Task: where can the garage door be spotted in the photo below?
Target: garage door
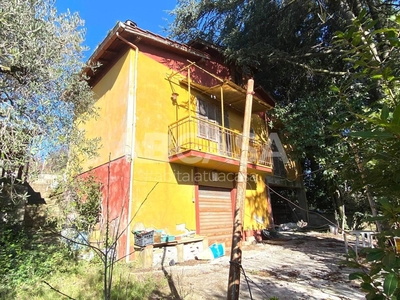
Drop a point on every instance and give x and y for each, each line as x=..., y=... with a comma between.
x=215, y=214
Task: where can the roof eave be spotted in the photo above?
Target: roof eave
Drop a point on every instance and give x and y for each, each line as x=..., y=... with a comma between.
x=121, y=27
x=102, y=47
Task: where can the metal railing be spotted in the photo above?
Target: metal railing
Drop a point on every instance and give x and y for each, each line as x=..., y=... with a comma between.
x=196, y=133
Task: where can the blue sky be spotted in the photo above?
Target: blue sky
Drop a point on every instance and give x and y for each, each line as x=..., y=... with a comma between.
x=101, y=16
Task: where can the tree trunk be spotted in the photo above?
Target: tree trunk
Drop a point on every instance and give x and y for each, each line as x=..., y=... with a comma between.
x=341, y=208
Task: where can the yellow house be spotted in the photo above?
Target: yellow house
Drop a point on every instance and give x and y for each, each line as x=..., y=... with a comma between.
x=170, y=123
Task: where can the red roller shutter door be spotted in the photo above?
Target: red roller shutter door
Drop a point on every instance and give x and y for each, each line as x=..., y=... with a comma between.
x=215, y=214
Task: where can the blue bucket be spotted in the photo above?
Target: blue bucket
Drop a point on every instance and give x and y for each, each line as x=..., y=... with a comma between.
x=217, y=250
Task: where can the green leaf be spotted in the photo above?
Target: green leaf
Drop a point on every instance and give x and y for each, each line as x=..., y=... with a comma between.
x=371, y=24
x=377, y=76
x=349, y=33
x=352, y=264
x=371, y=134
x=389, y=260
x=390, y=284
x=395, y=129
x=334, y=88
x=367, y=287
x=357, y=275
x=351, y=254
x=385, y=30
x=371, y=295
x=375, y=254
x=374, y=296
x=356, y=39
x=362, y=14
x=396, y=116
x=384, y=113
x=375, y=269
x=339, y=34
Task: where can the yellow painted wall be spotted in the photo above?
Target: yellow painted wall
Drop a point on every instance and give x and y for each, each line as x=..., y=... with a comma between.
x=225, y=180
x=172, y=200
x=159, y=200
x=112, y=93
x=256, y=205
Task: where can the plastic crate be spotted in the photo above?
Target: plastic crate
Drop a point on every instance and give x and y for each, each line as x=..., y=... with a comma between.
x=143, y=239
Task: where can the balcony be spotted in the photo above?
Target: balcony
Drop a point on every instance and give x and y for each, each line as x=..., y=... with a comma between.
x=203, y=143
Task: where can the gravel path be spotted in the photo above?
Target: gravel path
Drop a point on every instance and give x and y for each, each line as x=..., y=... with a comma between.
x=296, y=266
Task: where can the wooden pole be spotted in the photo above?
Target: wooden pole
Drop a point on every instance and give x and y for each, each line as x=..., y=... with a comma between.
x=224, y=149
x=190, y=104
x=236, y=251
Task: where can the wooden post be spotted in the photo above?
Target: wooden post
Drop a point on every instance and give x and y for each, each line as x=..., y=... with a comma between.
x=224, y=149
x=189, y=92
x=236, y=251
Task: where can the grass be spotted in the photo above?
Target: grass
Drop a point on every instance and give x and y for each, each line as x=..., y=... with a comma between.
x=85, y=281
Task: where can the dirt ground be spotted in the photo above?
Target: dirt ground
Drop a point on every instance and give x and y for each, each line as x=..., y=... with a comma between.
x=293, y=266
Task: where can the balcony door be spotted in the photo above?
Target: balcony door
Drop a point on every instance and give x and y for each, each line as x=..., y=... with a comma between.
x=209, y=125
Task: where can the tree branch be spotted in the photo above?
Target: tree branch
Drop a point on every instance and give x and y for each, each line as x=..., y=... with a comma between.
x=14, y=72
x=58, y=291
x=321, y=71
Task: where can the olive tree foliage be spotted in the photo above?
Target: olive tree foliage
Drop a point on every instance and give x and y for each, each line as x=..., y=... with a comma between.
x=43, y=99
x=42, y=89
x=290, y=48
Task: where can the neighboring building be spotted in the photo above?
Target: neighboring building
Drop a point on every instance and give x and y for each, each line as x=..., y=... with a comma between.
x=170, y=123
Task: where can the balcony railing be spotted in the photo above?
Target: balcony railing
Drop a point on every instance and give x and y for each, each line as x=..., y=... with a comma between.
x=202, y=135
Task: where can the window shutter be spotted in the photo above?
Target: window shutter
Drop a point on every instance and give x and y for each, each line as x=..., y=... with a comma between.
x=203, y=127
x=213, y=131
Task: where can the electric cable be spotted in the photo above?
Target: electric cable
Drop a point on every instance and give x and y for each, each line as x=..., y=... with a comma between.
x=248, y=279
x=306, y=210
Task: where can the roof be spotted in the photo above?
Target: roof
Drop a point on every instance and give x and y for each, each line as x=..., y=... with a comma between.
x=110, y=49
x=113, y=47
x=233, y=95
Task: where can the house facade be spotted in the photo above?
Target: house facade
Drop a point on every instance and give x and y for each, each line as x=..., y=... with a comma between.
x=170, y=122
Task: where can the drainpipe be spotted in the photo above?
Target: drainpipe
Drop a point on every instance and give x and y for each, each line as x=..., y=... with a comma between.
x=133, y=135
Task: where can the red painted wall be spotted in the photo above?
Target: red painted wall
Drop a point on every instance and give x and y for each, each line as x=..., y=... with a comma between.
x=177, y=62
x=115, y=177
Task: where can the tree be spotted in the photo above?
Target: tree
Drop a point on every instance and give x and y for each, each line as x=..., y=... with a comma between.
x=373, y=54
x=42, y=88
x=335, y=65
x=42, y=93
x=288, y=47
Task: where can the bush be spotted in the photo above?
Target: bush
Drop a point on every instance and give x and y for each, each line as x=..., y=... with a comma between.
x=25, y=256
x=379, y=268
